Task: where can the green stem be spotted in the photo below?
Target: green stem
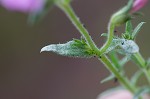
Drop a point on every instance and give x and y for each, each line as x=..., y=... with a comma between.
x=147, y=74
x=76, y=22
x=140, y=60
x=114, y=58
x=111, y=28
x=123, y=80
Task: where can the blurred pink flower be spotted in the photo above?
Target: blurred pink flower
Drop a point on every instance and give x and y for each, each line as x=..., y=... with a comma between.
x=138, y=4
x=120, y=94
x=27, y=6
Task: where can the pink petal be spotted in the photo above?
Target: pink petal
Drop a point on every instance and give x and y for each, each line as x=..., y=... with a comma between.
x=23, y=5
x=138, y=4
x=121, y=94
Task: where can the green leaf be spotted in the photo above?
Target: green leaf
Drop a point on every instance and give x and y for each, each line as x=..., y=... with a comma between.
x=114, y=58
x=123, y=61
x=74, y=48
x=62, y=2
x=141, y=92
x=136, y=30
x=114, y=44
x=66, y=1
x=128, y=31
x=37, y=16
x=109, y=78
x=136, y=77
x=123, y=46
x=129, y=28
x=148, y=62
x=135, y=60
x=138, y=14
x=104, y=34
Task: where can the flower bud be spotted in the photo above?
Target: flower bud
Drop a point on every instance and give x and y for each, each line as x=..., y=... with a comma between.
x=121, y=16
x=124, y=14
x=138, y=4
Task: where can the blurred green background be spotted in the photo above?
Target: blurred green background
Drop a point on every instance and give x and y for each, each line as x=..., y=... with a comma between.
x=25, y=73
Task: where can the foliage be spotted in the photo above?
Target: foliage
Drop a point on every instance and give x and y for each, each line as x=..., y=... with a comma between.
x=108, y=53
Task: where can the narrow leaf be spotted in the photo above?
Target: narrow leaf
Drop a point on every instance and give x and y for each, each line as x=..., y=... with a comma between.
x=123, y=61
x=141, y=92
x=137, y=29
x=136, y=77
x=138, y=14
x=129, y=28
x=104, y=34
x=37, y=16
x=66, y=1
x=114, y=58
x=109, y=78
x=134, y=59
x=148, y=62
x=75, y=48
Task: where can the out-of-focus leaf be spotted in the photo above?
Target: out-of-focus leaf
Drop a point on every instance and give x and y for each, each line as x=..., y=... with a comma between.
x=136, y=77
x=137, y=29
x=66, y=1
x=129, y=28
x=123, y=61
x=114, y=58
x=109, y=78
x=141, y=92
x=138, y=14
x=148, y=62
x=37, y=16
x=128, y=31
x=74, y=48
x=61, y=3
x=104, y=34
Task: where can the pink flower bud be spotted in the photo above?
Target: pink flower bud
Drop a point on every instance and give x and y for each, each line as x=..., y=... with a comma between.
x=138, y=4
x=27, y=6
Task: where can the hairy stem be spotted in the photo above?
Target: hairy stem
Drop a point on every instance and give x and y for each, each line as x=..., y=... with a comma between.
x=111, y=28
x=76, y=22
x=123, y=80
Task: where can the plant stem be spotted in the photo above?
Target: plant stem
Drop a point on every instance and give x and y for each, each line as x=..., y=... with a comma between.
x=123, y=80
x=76, y=22
x=111, y=28
x=140, y=60
x=142, y=64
